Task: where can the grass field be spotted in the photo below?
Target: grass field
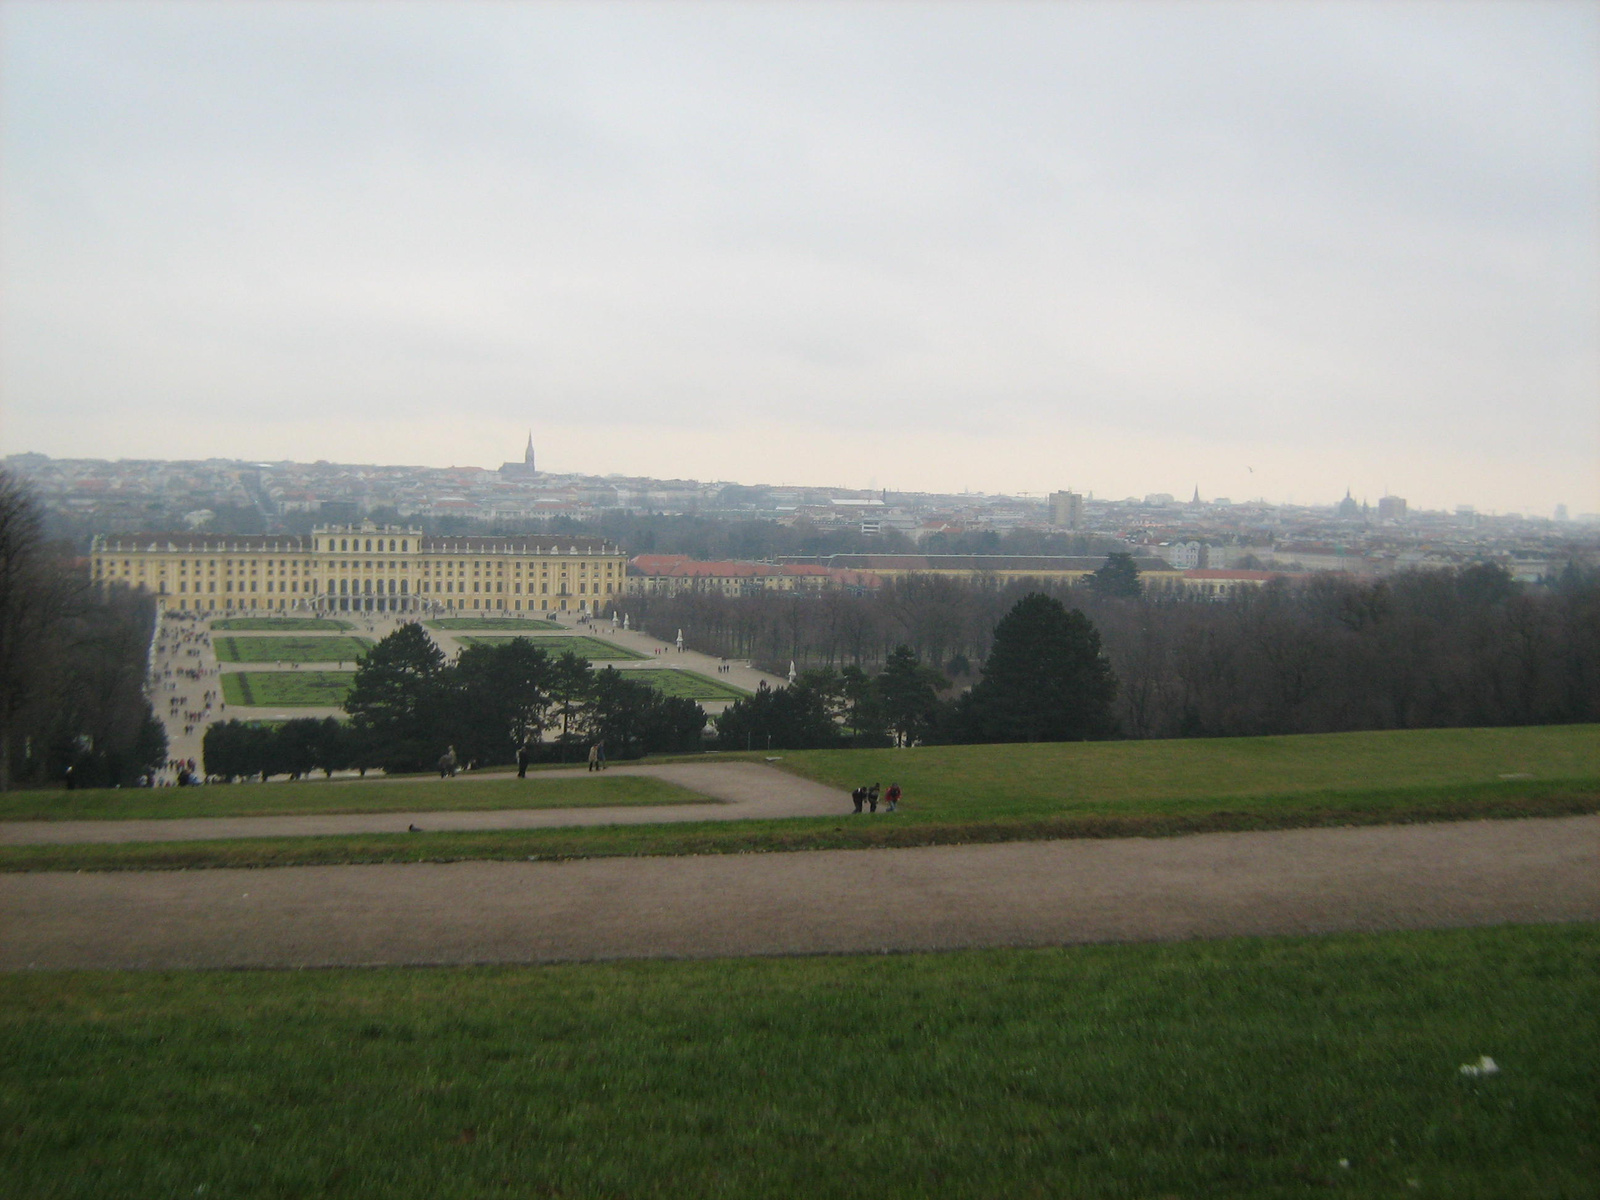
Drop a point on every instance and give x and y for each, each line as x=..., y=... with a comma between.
x=453, y=623
x=1238, y=1068
x=1065, y=778
x=689, y=685
x=290, y=649
x=584, y=647
x=881, y=831
x=1380, y=788
x=343, y=796
x=279, y=624
x=290, y=689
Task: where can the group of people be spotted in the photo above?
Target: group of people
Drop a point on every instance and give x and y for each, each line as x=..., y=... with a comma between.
x=597, y=757
x=869, y=797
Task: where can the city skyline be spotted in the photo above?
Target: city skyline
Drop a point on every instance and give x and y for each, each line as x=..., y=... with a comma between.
x=1268, y=252
x=131, y=476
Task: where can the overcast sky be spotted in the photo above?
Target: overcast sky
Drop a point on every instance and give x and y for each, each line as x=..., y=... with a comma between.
x=1269, y=249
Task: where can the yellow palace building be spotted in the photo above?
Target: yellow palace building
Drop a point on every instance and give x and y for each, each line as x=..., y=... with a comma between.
x=360, y=568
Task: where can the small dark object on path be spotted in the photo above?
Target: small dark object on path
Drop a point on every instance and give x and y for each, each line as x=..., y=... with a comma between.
x=412, y=829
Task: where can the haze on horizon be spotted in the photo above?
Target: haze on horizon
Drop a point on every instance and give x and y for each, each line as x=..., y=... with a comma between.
x=1269, y=250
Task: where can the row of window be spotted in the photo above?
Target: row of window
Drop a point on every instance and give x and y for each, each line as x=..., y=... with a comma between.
x=347, y=587
x=345, y=544
x=284, y=564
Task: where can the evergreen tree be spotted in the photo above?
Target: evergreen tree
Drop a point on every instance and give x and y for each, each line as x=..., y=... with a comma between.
x=571, y=682
x=909, y=693
x=791, y=718
x=502, y=695
x=618, y=713
x=1045, y=679
x=397, y=704
x=632, y=718
x=1119, y=576
x=863, y=708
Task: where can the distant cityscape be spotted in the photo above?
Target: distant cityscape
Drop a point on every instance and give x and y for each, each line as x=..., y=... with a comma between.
x=1357, y=535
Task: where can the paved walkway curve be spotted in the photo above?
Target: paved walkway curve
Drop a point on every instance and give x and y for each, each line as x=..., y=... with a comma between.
x=736, y=791
x=1012, y=894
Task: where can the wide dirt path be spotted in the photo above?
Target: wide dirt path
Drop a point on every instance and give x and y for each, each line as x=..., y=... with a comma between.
x=1016, y=894
x=742, y=790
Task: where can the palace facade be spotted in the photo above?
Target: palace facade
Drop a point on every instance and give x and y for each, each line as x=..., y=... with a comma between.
x=361, y=568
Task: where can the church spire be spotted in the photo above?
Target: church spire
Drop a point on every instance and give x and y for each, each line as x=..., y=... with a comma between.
x=527, y=455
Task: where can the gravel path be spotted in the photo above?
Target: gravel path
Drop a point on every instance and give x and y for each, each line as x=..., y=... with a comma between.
x=1020, y=893
x=736, y=791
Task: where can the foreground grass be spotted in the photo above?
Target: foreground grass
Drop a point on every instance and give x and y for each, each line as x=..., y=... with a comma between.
x=345, y=796
x=844, y=832
x=1238, y=1068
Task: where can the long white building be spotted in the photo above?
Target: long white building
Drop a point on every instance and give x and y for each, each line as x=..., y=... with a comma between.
x=361, y=568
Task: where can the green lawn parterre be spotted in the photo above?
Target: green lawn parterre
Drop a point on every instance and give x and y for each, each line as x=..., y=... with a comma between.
x=452, y=623
x=290, y=649
x=584, y=647
x=279, y=624
x=289, y=689
x=691, y=685
x=1243, y=1068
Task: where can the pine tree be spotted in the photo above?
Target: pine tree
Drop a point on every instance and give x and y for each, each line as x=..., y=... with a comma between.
x=398, y=703
x=909, y=692
x=1119, y=576
x=1045, y=679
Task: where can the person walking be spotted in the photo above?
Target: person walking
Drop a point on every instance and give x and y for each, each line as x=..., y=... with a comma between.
x=594, y=757
x=523, y=755
x=859, y=797
x=892, y=797
x=447, y=763
x=872, y=798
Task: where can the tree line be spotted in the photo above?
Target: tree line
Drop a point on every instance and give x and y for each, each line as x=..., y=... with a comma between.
x=72, y=664
x=1045, y=680
x=1465, y=646
x=408, y=705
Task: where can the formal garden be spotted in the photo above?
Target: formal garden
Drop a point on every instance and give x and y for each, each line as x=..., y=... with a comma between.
x=290, y=649
x=450, y=624
x=287, y=689
x=591, y=648
x=279, y=625
x=689, y=685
